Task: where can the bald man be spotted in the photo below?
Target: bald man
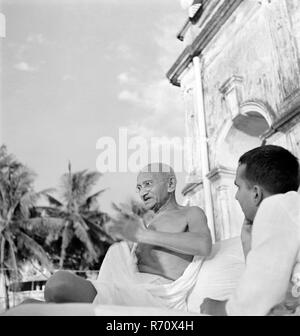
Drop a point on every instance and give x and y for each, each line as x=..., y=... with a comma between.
x=152, y=264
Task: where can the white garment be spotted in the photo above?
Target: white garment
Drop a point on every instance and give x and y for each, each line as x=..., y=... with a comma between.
x=220, y=273
x=272, y=258
x=120, y=283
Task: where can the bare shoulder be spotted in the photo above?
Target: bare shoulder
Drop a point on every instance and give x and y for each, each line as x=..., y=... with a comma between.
x=195, y=212
x=196, y=219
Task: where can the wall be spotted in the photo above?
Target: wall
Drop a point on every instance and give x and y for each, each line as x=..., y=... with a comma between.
x=251, y=81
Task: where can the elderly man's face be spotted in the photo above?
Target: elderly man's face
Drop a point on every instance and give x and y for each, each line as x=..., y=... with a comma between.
x=153, y=189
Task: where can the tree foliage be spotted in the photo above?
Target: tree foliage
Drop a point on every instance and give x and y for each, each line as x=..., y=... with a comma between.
x=17, y=201
x=81, y=241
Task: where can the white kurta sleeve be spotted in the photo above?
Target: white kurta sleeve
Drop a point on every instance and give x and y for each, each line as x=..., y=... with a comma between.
x=275, y=244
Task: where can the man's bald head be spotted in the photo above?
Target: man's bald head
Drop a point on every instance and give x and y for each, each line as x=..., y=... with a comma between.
x=159, y=170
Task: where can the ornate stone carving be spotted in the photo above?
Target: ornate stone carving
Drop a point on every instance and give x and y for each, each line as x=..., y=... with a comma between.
x=232, y=93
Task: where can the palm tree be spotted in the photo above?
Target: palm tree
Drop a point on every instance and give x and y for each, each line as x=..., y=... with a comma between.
x=79, y=211
x=17, y=199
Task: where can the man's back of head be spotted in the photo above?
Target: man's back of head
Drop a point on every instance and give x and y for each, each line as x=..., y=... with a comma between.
x=272, y=167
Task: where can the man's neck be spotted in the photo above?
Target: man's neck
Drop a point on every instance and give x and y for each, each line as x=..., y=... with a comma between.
x=170, y=204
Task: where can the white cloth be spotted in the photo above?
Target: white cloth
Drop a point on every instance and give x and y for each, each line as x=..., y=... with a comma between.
x=219, y=274
x=272, y=258
x=120, y=283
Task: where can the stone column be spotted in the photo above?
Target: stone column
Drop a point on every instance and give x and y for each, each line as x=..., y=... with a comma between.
x=224, y=203
x=199, y=100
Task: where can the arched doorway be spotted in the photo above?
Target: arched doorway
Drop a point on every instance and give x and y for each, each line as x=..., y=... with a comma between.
x=236, y=136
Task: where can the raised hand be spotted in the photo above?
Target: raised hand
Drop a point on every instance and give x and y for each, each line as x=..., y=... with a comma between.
x=246, y=236
x=128, y=227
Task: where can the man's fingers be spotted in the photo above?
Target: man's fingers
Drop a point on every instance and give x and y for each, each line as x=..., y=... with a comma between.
x=113, y=227
x=126, y=211
x=123, y=210
x=128, y=214
x=115, y=233
x=116, y=222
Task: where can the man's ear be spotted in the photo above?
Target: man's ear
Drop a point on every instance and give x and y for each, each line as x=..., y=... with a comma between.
x=258, y=195
x=172, y=184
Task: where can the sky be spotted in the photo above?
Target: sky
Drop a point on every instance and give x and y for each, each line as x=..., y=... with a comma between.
x=75, y=71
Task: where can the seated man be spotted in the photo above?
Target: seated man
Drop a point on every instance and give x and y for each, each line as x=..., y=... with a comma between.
x=267, y=179
x=160, y=265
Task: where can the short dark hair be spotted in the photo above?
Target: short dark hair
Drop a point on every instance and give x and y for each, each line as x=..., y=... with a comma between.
x=272, y=167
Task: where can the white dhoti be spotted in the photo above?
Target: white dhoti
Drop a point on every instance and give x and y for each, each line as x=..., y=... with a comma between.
x=120, y=283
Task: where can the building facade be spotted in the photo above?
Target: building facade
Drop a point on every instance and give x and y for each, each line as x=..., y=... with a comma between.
x=2, y=35
x=239, y=74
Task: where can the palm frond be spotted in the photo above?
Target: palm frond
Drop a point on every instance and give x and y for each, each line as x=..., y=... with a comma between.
x=78, y=185
x=50, y=211
x=52, y=200
x=67, y=235
x=83, y=236
x=27, y=201
x=47, y=191
x=89, y=201
x=79, y=219
x=42, y=194
x=90, y=179
x=6, y=160
x=2, y=251
x=66, y=187
x=36, y=250
x=2, y=225
x=97, y=231
x=43, y=226
x=13, y=250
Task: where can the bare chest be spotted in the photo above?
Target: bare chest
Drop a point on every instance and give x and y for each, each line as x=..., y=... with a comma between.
x=174, y=223
x=159, y=260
